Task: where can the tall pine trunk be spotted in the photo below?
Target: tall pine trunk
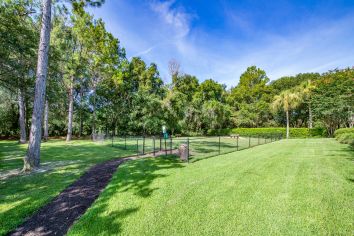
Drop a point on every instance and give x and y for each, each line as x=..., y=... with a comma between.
x=70, y=113
x=310, y=116
x=22, y=115
x=94, y=112
x=287, y=124
x=46, y=118
x=81, y=123
x=32, y=159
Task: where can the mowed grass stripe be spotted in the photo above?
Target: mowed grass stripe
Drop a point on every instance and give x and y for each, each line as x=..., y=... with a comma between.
x=284, y=188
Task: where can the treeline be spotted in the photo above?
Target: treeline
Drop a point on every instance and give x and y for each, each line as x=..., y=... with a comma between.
x=93, y=88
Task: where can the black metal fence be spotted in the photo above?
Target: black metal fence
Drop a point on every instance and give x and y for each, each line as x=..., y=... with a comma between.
x=198, y=147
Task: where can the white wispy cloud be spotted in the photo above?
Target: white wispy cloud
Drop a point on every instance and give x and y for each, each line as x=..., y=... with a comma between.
x=176, y=18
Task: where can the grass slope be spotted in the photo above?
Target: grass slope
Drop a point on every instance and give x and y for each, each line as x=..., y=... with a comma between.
x=290, y=187
x=20, y=196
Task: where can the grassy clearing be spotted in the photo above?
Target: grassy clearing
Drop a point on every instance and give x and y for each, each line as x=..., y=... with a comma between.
x=20, y=196
x=291, y=187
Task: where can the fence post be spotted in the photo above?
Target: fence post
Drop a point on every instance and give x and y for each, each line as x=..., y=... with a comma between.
x=219, y=144
x=153, y=139
x=249, y=141
x=188, y=149
x=112, y=138
x=237, y=142
x=258, y=139
x=165, y=148
x=170, y=144
x=160, y=143
x=143, y=144
x=137, y=146
x=125, y=142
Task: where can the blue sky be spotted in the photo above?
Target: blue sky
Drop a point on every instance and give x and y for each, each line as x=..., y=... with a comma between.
x=219, y=39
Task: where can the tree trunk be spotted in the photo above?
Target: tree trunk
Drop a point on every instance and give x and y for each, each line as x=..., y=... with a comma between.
x=70, y=113
x=32, y=159
x=94, y=111
x=287, y=124
x=310, y=116
x=22, y=115
x=81, y=123
x=46, y=117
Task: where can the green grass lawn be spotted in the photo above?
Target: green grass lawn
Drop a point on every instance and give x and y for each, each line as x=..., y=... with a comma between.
x=290, y=187
x=20, y=196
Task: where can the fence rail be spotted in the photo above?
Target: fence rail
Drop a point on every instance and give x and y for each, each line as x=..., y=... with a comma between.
x=198, y=147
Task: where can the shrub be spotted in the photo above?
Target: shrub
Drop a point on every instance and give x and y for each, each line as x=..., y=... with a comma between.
x=342, y=131
x=294, y=132
x=345, y=135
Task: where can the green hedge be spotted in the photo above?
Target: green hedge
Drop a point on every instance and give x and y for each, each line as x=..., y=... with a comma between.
x=345, y=135
x=294, y=132
x=343, y=130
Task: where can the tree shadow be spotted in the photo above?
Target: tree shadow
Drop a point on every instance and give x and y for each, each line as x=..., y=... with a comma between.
x=135, y=177
x=22, y=195
x=138, y=175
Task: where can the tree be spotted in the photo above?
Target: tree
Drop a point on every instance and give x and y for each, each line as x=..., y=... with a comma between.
x=32, y=158
x=286, y=101
x=250, y=99
x=332, y=99
x=305, y=90
x=18, y=40
x=174, y=107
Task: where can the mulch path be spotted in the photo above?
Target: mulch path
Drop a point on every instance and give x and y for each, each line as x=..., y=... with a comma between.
x=56, y=217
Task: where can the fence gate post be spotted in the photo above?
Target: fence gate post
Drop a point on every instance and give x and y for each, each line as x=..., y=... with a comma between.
x=219, y=144
x=237, y=143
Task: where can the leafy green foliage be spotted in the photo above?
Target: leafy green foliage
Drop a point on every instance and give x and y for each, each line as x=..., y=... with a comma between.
x=264, y=132
x=345, y=135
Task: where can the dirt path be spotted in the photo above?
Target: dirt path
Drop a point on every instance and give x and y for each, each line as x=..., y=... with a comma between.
x=56, y=217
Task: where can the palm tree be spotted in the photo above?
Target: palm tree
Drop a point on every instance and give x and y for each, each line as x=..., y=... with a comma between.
x=305, y=89
x=286, y=101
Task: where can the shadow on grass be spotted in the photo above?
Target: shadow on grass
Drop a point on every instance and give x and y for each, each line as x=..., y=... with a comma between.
x=133, y=177
x=21, y=196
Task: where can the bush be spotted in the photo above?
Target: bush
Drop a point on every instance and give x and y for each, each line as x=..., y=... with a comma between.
x=294, y=132
x=345, y=135
x=342, y=131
